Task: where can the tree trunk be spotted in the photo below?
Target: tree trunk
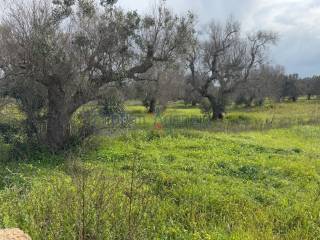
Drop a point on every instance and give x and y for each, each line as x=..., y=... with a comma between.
x=309, y=96
x=249, y=102
x=58, y=129
x=217, y=108
x=58, y=125
x=217, y=115
x=152, y=106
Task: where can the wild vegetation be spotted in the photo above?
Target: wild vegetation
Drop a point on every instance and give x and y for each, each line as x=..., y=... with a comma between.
x=231, y=181
x=116, y=125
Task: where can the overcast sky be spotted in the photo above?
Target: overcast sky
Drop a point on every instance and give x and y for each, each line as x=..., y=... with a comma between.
x=296, y=21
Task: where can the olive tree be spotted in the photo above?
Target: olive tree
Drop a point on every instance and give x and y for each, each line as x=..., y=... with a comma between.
x=164, y=83
x=309, y=86
x=266, y=81
x=224, y=60
x=56, y=57
x=290, y=87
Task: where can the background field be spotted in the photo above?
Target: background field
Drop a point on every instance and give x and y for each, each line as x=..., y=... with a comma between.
x=256, y=175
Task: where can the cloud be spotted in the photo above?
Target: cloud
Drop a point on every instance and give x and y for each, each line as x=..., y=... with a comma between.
x=296, y=21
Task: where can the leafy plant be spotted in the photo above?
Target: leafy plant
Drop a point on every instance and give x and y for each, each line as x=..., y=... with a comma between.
x=112, y=105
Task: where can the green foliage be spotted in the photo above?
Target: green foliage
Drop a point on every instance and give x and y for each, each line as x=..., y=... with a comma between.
x=242, y=99
x=9, y=132
x=205, y=107
x=112, y=105
x=86, y=203
x=237, y=119
x=177, y=184
x=4, y=150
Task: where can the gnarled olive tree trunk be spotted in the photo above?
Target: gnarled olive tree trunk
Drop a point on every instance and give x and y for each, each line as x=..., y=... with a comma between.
x=59, y=116
x=152, y=106
x=217, y=106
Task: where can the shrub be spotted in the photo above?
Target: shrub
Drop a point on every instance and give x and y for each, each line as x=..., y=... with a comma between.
x=205, y=107
x=241, y=99
x=86, y=121
x=9, y=132
x=4, y=150
x=112, y=105
x=259, y=102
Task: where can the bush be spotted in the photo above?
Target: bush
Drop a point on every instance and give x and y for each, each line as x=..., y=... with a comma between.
x=111, y=105
x=9, y=132
x=205, y=107
x=4, y=151
x=241, y=100
x=86, y=121
x=259, y=102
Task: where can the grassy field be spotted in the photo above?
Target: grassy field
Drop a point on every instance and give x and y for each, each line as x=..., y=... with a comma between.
x=255, y=175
